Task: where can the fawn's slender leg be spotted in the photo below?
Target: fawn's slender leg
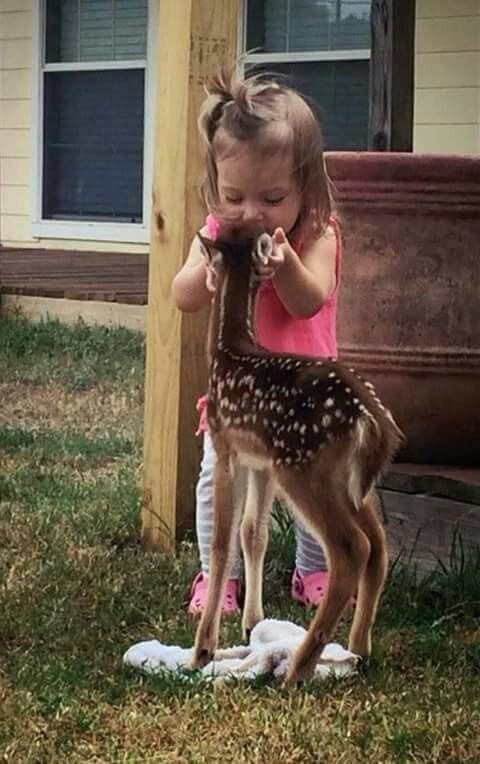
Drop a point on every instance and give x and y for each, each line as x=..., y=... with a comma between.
x=329, y=515
x=254, y=533
x=228, y=506
x=347, y=556
x=372, y=579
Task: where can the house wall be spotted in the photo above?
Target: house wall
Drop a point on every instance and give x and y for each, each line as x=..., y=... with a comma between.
x=446, y=112
x=447, y=77
x=15, y=118
x=16, y=135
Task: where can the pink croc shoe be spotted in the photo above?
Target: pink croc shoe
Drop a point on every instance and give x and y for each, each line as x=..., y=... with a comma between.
x=198, y=596
x=311, y=589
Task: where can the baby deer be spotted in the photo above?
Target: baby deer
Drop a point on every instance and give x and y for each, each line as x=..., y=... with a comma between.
x=305, y=429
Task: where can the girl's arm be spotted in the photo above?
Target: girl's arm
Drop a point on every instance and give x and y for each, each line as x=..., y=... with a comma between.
x=189, y=287
x=305, y=283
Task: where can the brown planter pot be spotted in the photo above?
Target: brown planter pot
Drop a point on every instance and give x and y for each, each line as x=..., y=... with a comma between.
x=410, y=303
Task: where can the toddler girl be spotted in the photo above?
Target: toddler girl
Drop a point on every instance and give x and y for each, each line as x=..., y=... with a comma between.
x=265, y=166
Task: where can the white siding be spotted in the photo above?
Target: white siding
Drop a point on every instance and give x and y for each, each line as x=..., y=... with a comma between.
x=447, y=77
x=15, y=118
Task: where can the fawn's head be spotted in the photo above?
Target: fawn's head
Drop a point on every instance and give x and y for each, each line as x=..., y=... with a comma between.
x=237, y=249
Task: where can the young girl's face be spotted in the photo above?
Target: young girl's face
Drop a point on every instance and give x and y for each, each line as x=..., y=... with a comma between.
x=259, y=190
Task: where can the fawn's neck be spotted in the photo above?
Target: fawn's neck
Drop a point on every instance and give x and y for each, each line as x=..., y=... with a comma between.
x=232, y=321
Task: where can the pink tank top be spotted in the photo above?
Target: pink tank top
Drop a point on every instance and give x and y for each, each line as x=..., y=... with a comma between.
x=281, y=332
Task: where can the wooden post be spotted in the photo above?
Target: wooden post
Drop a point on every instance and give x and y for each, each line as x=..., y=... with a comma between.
x=392, y=75
x=195, y=38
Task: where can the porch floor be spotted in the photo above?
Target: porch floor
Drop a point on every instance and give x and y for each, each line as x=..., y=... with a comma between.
x=99, y=276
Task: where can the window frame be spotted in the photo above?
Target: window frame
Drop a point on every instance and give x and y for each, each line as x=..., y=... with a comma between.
x=44, y=228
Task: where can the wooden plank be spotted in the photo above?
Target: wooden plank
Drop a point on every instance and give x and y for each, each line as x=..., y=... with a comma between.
x=15, y=114
x=16, y=83
x=447, y=139
x=427, y=9
x=195, y=37
x=15, y=24
x=450, y=482
x=423, y=530
x=14, y=228
x=447, y=106
x=392, y=75
x=15, y=143
x=447, y=35
x=444, y=70
x=15, y=171
x=15, y=53
x=101, y=276
x=15, y=200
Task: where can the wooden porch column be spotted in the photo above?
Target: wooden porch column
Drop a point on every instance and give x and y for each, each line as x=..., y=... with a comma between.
x=392, y=75
x=195, y=37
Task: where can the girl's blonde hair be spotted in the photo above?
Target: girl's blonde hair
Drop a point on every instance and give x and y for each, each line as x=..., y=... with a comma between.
x=276, y=119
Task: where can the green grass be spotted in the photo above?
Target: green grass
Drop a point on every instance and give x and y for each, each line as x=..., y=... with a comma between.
x=52, y=445
x=81, y=357
x=76, y=590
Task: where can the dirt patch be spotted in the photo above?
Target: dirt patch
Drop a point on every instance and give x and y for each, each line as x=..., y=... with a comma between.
x=91, y=412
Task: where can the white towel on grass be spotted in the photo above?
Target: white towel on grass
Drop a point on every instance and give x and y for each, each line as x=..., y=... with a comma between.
x=272, y=644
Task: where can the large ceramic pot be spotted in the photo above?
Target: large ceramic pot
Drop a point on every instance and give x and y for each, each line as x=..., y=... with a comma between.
x=410, y=304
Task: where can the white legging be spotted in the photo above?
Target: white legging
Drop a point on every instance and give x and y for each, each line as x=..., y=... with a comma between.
x=309, y=556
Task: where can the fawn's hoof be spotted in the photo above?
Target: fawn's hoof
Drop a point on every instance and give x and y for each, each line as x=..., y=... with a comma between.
x=363, y=665
x=300, y=671
x=297, y=678
x=201, y=657
x=249, y=624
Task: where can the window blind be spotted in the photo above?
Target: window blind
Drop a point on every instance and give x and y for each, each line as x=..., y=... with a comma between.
x=93, y=145
x=96, y=30
x=306, y=25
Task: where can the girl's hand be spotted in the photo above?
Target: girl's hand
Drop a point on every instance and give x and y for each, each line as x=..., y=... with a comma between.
x=281, y=251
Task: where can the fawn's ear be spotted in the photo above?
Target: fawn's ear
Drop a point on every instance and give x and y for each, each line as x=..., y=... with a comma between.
x=263, y=248
x=210, y=251
x=207, y=246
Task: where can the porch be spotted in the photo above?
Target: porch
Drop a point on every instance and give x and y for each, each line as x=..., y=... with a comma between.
x=106, y=288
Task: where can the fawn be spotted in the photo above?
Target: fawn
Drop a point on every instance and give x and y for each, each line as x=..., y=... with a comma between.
x=305, y=429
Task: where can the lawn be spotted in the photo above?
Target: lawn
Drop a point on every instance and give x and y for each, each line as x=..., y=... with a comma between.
x=77, y=590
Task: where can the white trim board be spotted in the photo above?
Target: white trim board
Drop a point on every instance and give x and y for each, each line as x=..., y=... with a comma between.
x=308, y=56
x=92, y=312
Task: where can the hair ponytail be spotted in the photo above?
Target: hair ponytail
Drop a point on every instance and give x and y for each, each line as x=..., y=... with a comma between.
x=221, y=91
x=231, y=103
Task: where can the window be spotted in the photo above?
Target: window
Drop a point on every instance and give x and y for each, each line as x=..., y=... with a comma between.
x=94, y=94
x=323, y=48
